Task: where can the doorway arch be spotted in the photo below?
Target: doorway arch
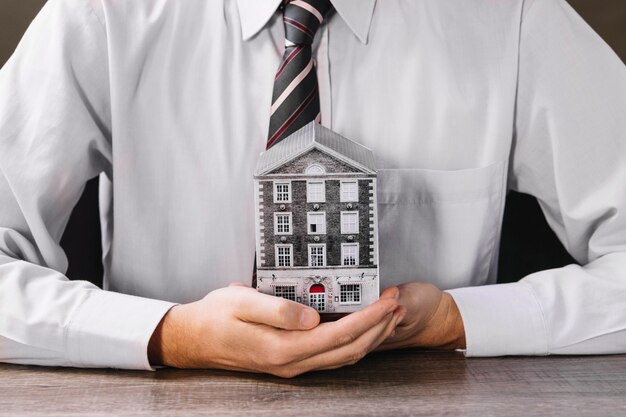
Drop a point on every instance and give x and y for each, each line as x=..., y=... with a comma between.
x=317, y=297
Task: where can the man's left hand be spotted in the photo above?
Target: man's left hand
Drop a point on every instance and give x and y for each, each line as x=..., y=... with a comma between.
x=432, y=319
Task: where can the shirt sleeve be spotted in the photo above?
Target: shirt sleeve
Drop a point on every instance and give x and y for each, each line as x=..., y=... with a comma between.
x=55, y=134
x=569, y=151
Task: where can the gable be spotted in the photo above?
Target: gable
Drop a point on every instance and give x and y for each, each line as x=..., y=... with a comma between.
x=299, y=164
x=315, y=136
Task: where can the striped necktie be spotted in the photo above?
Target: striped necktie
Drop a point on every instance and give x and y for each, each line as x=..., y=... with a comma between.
x=295, y=101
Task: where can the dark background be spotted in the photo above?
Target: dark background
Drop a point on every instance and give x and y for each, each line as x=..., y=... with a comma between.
x=528, y=244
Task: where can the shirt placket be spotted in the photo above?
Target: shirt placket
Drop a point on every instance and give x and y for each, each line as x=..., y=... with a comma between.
x=322, y=65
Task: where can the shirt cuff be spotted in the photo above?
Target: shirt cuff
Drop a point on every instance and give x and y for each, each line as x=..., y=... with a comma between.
x=504, y=319
x=112, y=330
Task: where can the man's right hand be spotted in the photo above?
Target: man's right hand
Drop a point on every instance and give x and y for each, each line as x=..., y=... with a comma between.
x=238, y=328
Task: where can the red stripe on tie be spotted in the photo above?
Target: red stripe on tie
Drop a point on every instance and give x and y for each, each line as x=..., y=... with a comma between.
x=292, y=118
x=299, y=26
x=291, y=56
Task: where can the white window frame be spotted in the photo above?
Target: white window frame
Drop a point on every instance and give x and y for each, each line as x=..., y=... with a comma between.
x=322, y=199
x=288, y=246
x=342, y=190
x=344, y=245
x=343, y=229
x=308, y=222
x=317, y=167
x=345, y=303
x=317, y=245
x=276, y=184
x=289, y=216
x=285, y=290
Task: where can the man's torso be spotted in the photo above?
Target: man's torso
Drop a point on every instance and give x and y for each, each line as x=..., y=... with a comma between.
x=432, y=93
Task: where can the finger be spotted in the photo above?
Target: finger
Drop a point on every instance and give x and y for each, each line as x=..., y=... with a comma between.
x=339, y=357
x=329, y=336
x=395, y=344
x=398, y=315
x=353, y=352
x=256, y=307
x=391, y=346
x=399, y=337
x=391, y=292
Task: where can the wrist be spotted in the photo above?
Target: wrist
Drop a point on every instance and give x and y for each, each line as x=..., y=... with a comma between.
x=454, y=331
x=446, y=328
x=165, y=340
x=455, y=322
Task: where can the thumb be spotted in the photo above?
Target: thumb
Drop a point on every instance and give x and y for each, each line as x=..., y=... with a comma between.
x=391, y=292
x=276, y=312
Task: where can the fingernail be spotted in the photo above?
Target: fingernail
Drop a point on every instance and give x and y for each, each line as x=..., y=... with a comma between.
x=393, y=333
x=308, y=319
x=396, y=296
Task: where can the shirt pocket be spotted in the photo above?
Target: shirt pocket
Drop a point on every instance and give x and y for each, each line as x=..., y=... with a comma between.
x=440, y=226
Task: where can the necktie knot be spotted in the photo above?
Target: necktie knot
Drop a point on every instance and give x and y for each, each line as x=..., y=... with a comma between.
x=302, y=20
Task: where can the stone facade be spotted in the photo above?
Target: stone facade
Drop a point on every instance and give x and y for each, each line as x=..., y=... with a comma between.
x=299, y=207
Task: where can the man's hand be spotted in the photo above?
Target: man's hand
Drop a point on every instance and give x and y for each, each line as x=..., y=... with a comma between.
x=432, y=319
x=238, y=328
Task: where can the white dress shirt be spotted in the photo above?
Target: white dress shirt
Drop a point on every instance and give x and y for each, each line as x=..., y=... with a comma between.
x=169, y=101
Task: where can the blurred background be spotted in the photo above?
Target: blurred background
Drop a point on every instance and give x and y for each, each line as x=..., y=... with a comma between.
x=528, y=244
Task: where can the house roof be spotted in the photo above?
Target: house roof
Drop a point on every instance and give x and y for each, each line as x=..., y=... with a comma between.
x=315, y=136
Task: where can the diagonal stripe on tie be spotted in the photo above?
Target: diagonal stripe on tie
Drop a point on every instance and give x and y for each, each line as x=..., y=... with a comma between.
x=292, y=117
x=286, y=62
x=293, y=101
x=309, y=8
x=291, y=70
x=299, y=26
x=292, y=86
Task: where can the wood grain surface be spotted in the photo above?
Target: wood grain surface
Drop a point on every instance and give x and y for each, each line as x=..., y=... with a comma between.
x=404, y=383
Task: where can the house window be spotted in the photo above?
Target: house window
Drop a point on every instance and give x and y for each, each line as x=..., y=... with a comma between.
x=285, y=291
x=317, y=255
x=284, y=256
x=350, y=293
x=314, y=169
x=282, y=223
x=315, y=192
x=282, y=192
x=317, y=297
x=349, y=191
x=316, y=223
x=349, y=222
x=349, y=254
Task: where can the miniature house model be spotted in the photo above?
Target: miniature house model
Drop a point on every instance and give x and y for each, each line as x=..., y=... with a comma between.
x=316, y=221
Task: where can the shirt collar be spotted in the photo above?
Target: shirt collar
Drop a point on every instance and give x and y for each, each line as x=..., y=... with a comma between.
x=356, y=13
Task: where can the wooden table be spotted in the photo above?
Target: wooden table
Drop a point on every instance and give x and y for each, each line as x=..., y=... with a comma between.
x=384, y=384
